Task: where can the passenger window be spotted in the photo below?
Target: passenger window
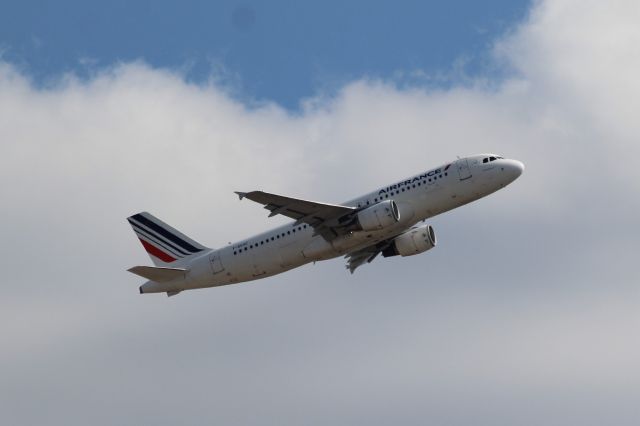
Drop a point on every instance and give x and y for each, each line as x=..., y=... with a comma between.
x=484, y=160
x=492, y=158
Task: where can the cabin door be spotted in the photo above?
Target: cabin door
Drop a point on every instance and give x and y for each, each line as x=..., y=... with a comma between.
x=463, y=169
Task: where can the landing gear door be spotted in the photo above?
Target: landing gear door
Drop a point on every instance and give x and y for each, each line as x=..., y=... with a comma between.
x=463, y=169
x=216, y=263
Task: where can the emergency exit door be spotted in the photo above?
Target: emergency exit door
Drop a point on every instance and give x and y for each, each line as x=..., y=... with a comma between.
x=216, y=263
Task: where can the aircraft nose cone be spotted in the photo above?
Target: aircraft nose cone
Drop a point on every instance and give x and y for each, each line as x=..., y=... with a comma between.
x=513, y=169
x=517, y=168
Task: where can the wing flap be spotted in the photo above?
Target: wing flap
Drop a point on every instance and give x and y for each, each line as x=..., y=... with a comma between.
x=358, y=258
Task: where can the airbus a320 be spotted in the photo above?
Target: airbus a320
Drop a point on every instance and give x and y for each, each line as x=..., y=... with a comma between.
x=384, y=222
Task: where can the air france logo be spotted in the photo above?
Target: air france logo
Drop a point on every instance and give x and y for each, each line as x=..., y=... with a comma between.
x=411, y=181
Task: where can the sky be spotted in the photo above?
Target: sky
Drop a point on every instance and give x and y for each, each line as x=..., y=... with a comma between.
x=280, y=51
x=525, y=313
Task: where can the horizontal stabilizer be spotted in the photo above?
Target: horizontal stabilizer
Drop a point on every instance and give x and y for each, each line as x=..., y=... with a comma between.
x=159, y=274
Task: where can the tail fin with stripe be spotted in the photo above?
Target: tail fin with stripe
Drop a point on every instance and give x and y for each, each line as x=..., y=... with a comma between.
x=164, y=244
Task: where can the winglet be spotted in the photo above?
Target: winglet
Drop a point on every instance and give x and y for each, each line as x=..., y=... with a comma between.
x=241, y=195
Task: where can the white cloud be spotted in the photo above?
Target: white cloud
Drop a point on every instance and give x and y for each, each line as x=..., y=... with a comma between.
x=525, y=308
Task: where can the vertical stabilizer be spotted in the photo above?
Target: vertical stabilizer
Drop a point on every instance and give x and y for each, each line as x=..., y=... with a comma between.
x=164, y=244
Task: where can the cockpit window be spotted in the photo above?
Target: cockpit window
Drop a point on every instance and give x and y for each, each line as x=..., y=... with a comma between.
x=488, y=159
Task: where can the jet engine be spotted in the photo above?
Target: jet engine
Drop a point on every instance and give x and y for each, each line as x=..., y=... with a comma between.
x=378, y=216
x=414, y=241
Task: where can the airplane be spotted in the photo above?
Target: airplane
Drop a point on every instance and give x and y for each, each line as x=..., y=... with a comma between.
x=385, y=221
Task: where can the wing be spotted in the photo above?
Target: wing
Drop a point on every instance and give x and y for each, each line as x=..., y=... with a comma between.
x=324, y=218
x=366, y=255
x=359, y=258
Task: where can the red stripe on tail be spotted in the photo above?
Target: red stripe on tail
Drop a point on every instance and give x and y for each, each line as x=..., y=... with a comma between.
x=155, y=251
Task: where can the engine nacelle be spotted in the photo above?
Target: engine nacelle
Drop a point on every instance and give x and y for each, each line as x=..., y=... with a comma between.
x=414, y=241
x=378, y=216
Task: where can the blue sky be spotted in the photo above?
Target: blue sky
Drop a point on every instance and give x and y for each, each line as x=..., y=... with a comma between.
x=280, y=50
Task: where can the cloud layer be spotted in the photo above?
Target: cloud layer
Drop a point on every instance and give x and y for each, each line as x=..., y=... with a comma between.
x=526, y=312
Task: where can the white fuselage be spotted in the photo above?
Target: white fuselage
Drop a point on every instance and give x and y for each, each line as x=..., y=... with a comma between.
x=290, y=246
